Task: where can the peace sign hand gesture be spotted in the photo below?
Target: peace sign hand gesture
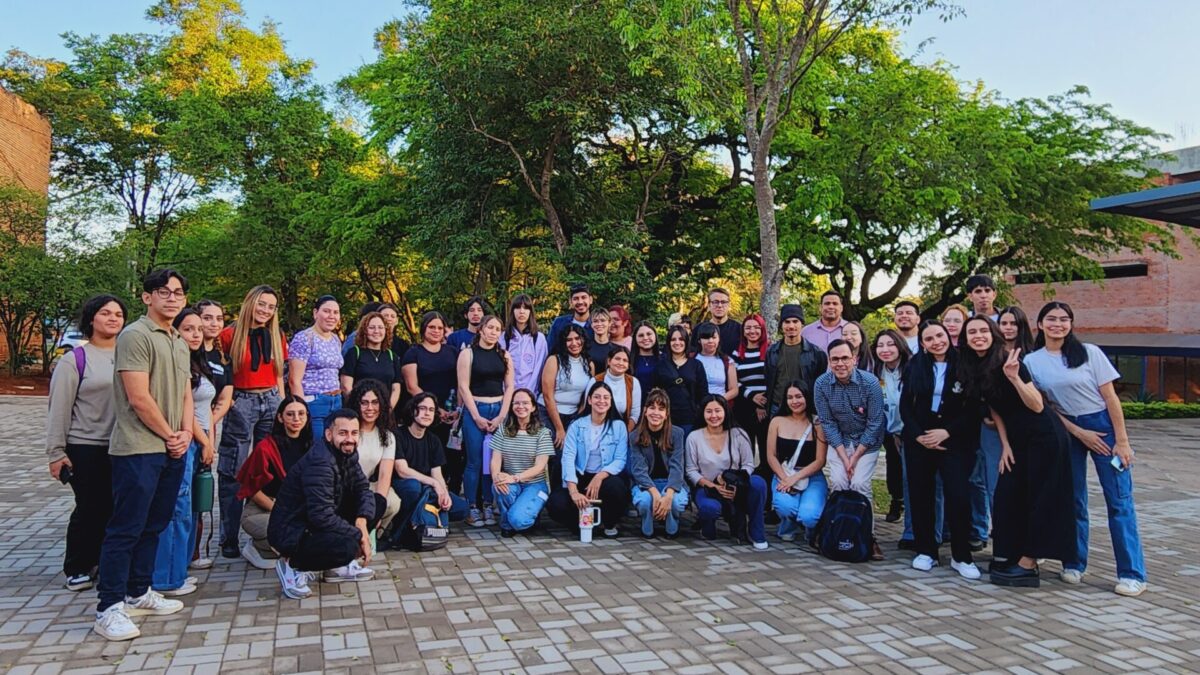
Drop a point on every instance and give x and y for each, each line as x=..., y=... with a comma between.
x=1012, y=366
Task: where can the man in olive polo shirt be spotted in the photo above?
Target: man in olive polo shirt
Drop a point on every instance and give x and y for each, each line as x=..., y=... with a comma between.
x=153, y=402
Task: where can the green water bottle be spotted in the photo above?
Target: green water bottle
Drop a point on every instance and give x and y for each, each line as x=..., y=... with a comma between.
x=202, y=490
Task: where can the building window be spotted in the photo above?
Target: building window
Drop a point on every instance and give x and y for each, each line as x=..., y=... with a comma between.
x=1133, y=376
x=1122, y=271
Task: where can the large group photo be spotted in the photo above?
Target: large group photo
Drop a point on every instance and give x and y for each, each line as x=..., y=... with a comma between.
x=613, y=336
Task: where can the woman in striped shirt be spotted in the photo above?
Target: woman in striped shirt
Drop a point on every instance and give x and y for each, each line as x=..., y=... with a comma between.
x=750, y=406
x=521, y=451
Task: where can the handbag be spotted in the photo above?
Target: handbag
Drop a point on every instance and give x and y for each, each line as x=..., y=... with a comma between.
x=790, y=467
x=737, y=479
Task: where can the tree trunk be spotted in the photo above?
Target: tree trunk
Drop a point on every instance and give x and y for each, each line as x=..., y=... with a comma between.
x=768, y=241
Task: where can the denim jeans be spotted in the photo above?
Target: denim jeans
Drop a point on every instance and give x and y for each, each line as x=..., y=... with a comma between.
x=800, y=508
x=409, y=491
x=712, y=508
x=477, y=485
x=319, y=408
x=1118, y=497
x=983, y=481
x=249, y=420
x=643, y=501
x=177, y=541
x=520, y=508
x=145, y=490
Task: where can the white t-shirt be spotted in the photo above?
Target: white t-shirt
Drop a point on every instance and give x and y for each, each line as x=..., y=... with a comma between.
x=631, y=409
x=912, y=343
x=714, y=371
x=370, y=453
x=1075, y=390
x=939, y=384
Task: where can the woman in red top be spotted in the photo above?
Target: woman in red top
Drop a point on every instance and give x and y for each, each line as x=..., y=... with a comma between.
x=257, y=352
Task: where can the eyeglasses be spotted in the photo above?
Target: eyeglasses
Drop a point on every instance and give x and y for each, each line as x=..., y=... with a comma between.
x=718, y=302
x=369, y=403
x=165, y=293
x=264, y=306
x=841, y=359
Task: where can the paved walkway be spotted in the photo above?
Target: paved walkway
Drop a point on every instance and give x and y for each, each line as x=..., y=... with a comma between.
x=548, y=604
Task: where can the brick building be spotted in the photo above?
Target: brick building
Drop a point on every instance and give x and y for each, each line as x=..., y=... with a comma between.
x=24, y=153
x=1146, y=312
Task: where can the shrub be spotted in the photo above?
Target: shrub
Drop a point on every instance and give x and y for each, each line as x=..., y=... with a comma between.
x=1159, y=410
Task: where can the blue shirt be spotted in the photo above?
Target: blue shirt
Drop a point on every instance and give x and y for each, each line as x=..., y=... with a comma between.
x=460, y=339
x=851, y=413
x=612, y=446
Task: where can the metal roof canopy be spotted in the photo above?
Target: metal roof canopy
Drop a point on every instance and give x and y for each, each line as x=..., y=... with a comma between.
x=1179, y=204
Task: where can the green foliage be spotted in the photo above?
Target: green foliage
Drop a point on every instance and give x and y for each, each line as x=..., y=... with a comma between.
x=1159, y=410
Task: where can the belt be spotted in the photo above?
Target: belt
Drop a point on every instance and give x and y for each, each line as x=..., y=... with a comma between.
x=258, y=394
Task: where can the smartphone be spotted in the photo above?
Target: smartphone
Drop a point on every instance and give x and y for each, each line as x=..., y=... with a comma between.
x=64, y=474
x=1117, y=463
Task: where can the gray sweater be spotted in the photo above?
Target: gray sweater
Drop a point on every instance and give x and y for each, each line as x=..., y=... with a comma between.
x=85, y=418
x=702, y=462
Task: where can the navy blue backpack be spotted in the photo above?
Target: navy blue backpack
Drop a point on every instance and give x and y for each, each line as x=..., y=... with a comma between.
x=844, y=531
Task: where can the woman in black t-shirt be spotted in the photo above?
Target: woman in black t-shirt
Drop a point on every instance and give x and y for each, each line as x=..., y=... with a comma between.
x=432, y=366
x=370, y=358
x=683, y=378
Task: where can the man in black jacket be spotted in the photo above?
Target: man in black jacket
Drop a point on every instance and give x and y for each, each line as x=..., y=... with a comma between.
x=324, y=512
x=792, y=358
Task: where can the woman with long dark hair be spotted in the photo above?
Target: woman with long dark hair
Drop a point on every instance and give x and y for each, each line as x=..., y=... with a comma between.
x=371, y=358
x=376, y=458
x=594, y=457
x=1014, y=326
x=712, y=450
x=646, y=355
x=1034, y=511
x=720, y=373
x=263, y=473
x=525, y=344
x=565, y=379
x=315, y=362
x=656, y=465
x=795, y=452
x=1078, y=378
x=521, y=452
x=485, y=387
x=682, y=377
x=856, y=336
x=941, y=435
x=78, y=428
x=257, y=352
x=431, y=366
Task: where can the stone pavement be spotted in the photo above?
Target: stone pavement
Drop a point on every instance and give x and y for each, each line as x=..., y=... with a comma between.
x=546, y=603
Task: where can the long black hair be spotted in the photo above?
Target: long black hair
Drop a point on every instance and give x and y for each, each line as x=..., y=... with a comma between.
x=1073, y=351
x=727, y=424
x=656, y=349
x=531, y=328
x=706, y=330
x=279, y=432
x=92, y=306
x=354, y=402
x=981, y=375
x=198, y=359
x=918, y=375
x=901, y=346
x=611, y=416
x=1024, y=341
x=562, y=357
x=683, y=331
x=810, y=408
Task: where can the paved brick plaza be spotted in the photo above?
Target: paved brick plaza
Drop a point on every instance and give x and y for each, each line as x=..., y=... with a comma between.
x=549, y=604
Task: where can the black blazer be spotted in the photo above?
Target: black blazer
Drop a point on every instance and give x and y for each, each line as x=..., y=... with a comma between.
x=958, y=414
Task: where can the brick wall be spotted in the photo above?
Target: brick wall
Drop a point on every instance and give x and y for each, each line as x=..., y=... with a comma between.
x=24, y=153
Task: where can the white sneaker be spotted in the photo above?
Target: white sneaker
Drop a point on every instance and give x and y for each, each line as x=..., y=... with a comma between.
x=489, y=515
x=924, y=563
x=252, y=556
x=351, y=572
x=295, y=584
x=611, y=532
x=474, y=518
x=761, y=546
x=790, y=536
x=185, y=589
x=114, y=624
x=1070, y=576
x=966, y=570
x=200, y=564
x=152, y=603
x=1130, y=587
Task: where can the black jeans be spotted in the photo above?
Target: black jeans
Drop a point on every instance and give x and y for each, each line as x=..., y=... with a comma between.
x=91, y=481
x=955, y=466
x=327, y=550
x=895, y=469
x=614, y=501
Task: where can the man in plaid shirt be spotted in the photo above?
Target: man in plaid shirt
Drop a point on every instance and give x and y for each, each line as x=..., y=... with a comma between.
x=850, y=406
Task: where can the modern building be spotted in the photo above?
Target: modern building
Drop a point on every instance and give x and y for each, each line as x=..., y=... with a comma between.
x=1145, y=313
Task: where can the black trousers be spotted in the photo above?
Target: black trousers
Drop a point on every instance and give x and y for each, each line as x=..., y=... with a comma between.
x=955, y=466
x=91, y=481
x=895, y=470
x=614, y=501
x=327, y=550
x=456, y=460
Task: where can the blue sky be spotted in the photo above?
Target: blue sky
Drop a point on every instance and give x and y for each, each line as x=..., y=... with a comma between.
x=1136, y=56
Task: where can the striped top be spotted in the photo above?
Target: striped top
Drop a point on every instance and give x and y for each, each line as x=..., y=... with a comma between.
x=751, y=373
x=519, y=452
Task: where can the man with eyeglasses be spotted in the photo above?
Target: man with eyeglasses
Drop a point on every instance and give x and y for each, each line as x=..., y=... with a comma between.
x=729, y=329
x=418, y=478
x=850, y=406
x=153, y=404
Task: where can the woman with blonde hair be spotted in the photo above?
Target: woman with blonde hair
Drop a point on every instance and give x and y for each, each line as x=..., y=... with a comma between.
x=953, y=318
x=257, y=352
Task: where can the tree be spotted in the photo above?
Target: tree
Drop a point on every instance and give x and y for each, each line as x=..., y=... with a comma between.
x=744, y=60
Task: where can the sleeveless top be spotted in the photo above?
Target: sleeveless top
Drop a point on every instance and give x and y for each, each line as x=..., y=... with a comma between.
x=784, y=447
x=487, y=372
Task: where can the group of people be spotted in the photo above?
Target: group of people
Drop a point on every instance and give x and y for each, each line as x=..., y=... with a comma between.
x=329, y=450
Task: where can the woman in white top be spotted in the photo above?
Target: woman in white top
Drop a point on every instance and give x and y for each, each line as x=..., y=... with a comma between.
x=891, y=357
x=565, y=378
x=712, y=450
x=1078, y=378
x=78, y=427
x=719, y=368
x=376, y=443
x=627, y=391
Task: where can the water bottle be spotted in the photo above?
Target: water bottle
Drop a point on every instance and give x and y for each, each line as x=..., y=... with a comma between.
x=202, y=490
x=589, y=517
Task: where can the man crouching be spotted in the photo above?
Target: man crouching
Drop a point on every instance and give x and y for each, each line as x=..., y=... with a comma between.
x=324, y=512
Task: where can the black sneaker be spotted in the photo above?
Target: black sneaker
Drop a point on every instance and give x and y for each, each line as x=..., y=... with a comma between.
x=230, y=551
x=507, y=532
x=771, y=518
x=977, y=546
x=896, y=512
x=79, y=582
x=1016, y=576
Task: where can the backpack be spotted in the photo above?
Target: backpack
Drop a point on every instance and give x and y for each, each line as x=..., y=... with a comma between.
x=80, y=357
x=844, y=531
x=428, y=528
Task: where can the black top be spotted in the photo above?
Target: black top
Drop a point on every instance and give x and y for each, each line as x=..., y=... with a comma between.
x=599, y=354
x=222, y=372
x=660, y=470
x=290, y=450
x=958, y=414
x=422, y=454
x=784, y=447
x=685, y=385
x=318, y=492
x=487, y=371
x=730, y=334
x=437, y=372
x=363, y=363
